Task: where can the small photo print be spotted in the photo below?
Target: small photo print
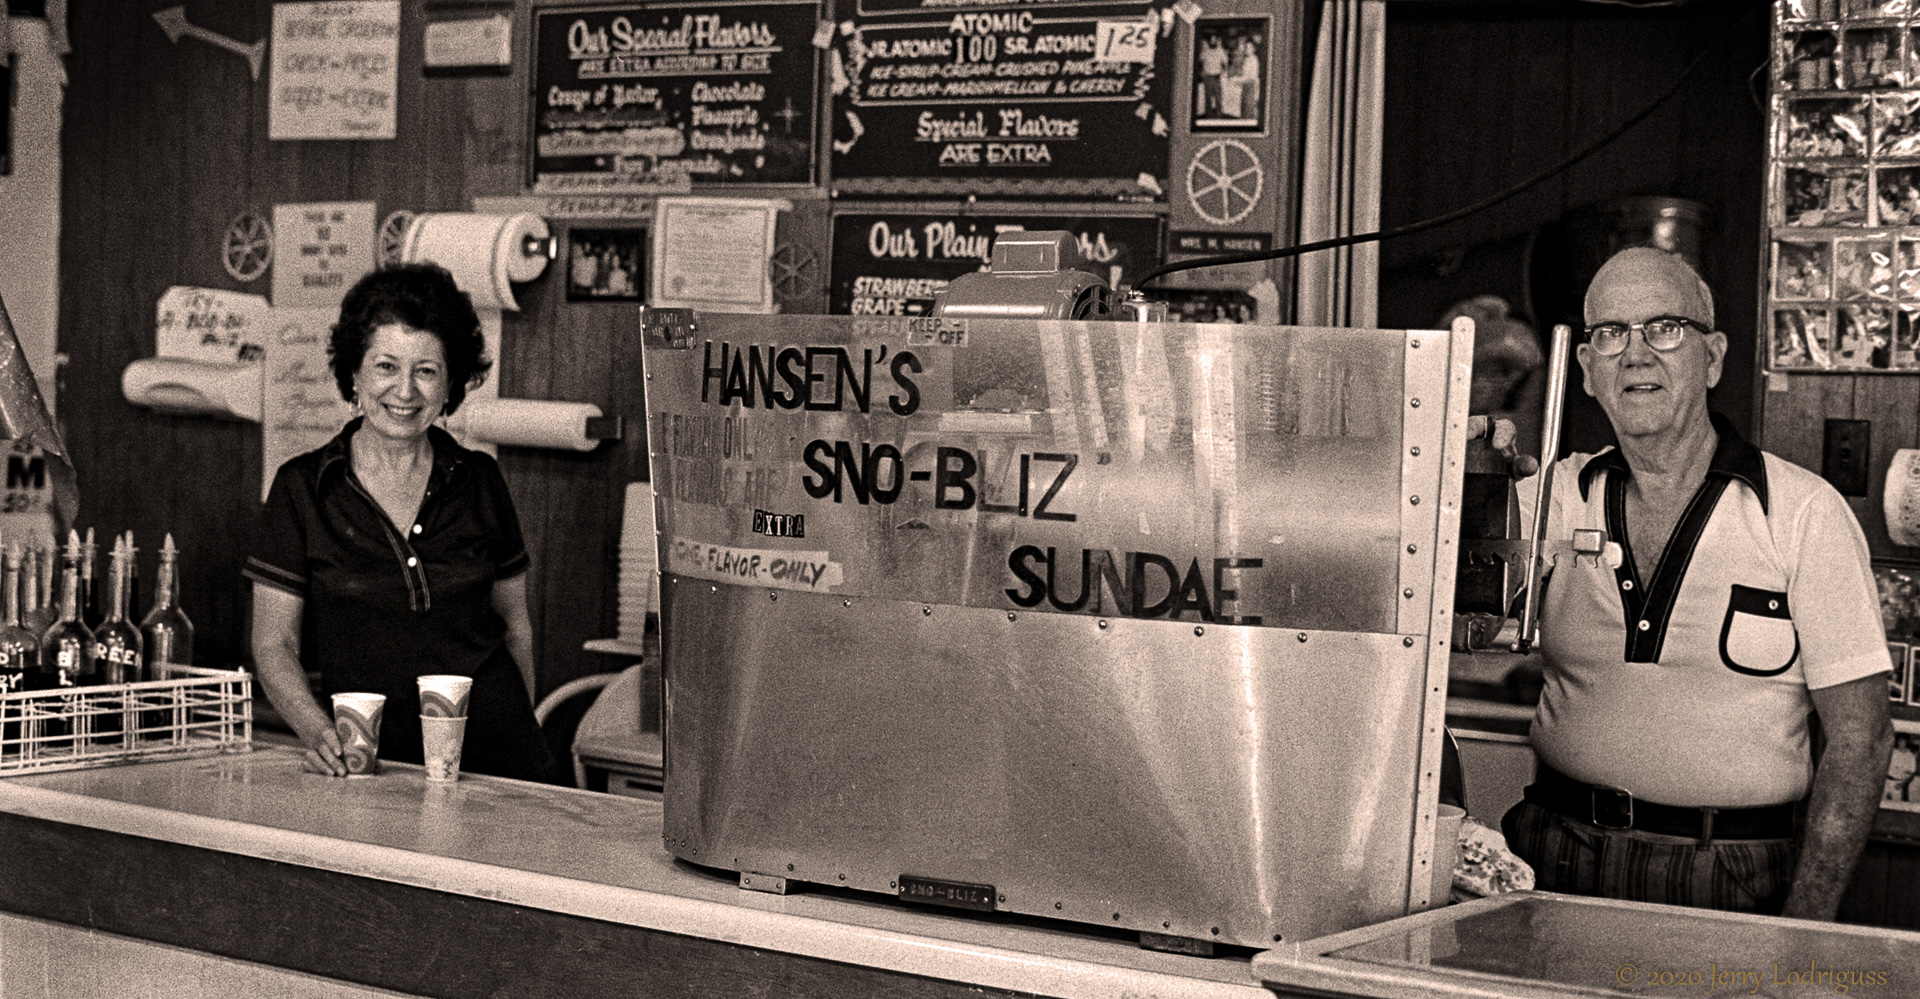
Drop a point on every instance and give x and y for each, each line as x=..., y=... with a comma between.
x=1802, y=339
x=1906, y=331
x=1815, y=196
x=1896, y=125
x=1809, y=60
x=1907, y=271
x=1230, y=73
x=1897, y=193
x=1866, y=337
x=606, y=265
x=1897, y=684
x=1872, y=58
x=1211, y=305
x=1899, y=599
x=1831, y=126
x=1863, y=268
x=1902, y=791
x=1802, y=270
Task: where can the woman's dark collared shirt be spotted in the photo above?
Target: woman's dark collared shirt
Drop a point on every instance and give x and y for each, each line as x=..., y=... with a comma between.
x=385, y=602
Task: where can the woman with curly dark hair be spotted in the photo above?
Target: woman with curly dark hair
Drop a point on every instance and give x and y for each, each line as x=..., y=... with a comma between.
x=393, y=552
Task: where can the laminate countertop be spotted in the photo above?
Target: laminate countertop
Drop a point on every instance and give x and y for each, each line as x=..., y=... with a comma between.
x=594, y=856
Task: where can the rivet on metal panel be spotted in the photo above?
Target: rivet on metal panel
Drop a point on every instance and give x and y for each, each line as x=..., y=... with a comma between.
x=1056, y=905
x=1012, y=616
x=1408, y=642
x=1416, y=346
x=1303, y=636
x=1003, y=898
x=843, y=877
x=1415, y=501
x=771, y=595
x=789, y=867
x=1416, y=404
x=1412, y=549
x=1166, y=925
x=1103, y=624
x=892, y=885
x=1116, y=915
x=846, y=603
x=1216, y=931
x=1276, y=938
x=927, y=611
x=1414, y=450
x=713, y=589
x=1197, y=630
x=1408, y=593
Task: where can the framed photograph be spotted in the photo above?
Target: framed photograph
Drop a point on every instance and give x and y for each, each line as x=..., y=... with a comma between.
x=1902, y=791
x=1230, y=74
x=607, y=265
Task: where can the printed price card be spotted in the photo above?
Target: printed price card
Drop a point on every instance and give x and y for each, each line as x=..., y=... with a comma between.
x=1125, y=41
x=323, y=248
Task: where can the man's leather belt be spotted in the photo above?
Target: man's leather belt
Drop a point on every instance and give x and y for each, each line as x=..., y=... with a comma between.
x=1616, y=808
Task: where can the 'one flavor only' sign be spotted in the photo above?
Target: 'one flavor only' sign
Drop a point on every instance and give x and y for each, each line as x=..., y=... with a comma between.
x=646, y=98
x=1011, y=101
x=892, y=265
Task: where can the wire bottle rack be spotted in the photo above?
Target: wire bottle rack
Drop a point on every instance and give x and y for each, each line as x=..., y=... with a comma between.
x=189, y=712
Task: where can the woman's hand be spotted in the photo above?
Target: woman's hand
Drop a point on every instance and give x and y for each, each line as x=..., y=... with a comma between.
x=323, y=753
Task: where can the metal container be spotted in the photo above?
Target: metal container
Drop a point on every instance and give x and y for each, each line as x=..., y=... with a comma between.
x=1136, y=624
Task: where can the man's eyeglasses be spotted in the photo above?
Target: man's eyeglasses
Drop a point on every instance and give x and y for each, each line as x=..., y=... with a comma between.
x=1661, y=333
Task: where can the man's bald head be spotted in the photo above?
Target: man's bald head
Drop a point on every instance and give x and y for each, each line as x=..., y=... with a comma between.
x=1654, y=273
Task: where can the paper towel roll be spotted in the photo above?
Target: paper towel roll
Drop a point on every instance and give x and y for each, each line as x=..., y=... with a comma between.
x=486, y=253
x=194, y=388
x=1900, y=500
x=527, y=422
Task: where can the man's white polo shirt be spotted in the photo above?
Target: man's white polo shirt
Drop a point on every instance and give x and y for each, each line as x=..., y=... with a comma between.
x=1690, y=688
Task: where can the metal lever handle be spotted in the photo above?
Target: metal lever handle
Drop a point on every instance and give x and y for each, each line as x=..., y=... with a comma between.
x=1543, y=495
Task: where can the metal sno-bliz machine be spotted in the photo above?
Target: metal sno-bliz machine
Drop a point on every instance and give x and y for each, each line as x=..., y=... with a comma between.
x=1129, y=623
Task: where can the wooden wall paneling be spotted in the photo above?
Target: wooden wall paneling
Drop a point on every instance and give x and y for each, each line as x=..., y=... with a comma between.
x=1796, y=419
x=1892, y=404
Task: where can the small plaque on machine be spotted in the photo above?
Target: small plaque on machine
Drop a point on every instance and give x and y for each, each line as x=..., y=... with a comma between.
x=953, y=894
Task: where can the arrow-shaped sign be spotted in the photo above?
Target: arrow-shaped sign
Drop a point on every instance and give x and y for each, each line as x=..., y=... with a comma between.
x=173, y=21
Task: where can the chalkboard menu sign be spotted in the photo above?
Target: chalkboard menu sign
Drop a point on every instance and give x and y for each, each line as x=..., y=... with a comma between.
x=1027, y=98
x=658, y=97
x=891, y=264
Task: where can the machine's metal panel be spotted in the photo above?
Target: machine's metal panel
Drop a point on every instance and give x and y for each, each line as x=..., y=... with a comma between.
x=1124, y=772
x=1179, y=441
x=870, y=673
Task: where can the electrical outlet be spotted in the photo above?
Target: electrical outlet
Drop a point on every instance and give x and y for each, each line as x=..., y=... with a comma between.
x=1844, y=463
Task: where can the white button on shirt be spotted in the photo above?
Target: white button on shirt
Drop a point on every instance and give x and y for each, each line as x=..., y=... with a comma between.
x=411, y=562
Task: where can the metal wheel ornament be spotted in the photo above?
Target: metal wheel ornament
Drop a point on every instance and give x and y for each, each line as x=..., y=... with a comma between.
x=1224, y=181
x=793, y=271
x=393, y=237
x=247, y=249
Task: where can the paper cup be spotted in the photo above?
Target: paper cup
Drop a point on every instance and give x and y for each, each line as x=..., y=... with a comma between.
x=440, y=740
x=444, y=696
x=356, y=720
x=1446, y=852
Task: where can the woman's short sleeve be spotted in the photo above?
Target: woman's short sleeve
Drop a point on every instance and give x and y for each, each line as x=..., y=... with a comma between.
x=278, y=556
x=509, y=546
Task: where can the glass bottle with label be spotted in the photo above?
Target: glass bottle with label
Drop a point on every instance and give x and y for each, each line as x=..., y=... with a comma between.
x=117, y=643
x=168, y=632
x=19, y=648
x=68, y=642
x=32, y=615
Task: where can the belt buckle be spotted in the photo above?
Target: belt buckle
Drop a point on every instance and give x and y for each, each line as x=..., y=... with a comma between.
x=1611, y=803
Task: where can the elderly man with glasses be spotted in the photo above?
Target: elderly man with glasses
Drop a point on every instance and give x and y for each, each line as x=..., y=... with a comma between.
x=1732, y=615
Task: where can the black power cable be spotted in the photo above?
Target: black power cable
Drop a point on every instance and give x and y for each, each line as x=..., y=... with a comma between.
x=1478, y=206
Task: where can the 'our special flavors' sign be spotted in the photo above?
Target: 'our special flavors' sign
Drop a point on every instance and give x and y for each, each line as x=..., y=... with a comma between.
x=1034, y=98
x=631, y=97
x=891, y=265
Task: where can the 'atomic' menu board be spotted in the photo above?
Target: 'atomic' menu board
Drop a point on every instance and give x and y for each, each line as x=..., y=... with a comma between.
x=892, y=264
x=1021, y=99
x=646, y=98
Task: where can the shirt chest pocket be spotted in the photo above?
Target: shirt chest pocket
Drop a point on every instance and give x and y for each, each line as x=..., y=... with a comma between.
x=1757, y=638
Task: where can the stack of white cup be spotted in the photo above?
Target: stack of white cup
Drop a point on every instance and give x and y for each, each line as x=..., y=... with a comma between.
x=443, y=724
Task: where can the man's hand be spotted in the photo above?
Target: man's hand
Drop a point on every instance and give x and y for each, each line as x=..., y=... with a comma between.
x=1503, y=436
x=1846, y=793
